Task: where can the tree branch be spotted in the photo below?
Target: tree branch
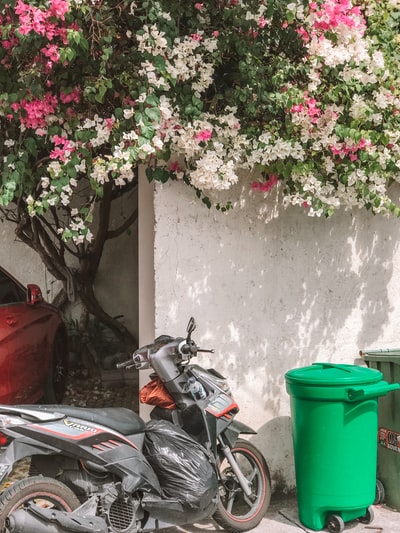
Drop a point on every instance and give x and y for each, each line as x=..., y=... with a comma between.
x=112, y=234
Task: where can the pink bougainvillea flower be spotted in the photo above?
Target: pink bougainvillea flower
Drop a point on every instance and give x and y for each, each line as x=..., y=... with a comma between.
x=333, y=14
x=59, y=8
x=262, y=22
x=63, y=148
x=110, y=123
x=51, y=51
x=204, y=135
x=73, y=96
x=298, y=108
x=199, y=6
x=33, y=19
x=265, y=186
x=36, y=111
x=174, y=166
x=303, y=34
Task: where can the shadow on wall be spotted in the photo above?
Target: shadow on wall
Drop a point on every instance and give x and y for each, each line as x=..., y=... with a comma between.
x=270, y=297
x=274, y=438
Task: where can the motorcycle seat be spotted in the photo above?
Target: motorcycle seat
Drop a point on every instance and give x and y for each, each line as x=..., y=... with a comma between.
x=120, y=419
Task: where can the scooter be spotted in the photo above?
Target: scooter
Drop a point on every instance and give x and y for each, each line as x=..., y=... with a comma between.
x=105, y=470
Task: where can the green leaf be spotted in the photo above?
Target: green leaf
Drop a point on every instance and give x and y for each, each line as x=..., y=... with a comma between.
x=153, y=113
x=146, y=131
x=152, y=100
x=31, y=146
x=158, y=174
x=118, y=113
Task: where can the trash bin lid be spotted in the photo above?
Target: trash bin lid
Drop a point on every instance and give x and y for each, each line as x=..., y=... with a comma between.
x=330, y=374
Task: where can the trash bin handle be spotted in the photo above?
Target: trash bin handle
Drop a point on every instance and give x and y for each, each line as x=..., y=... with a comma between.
x=372, y=391
x=335, y=366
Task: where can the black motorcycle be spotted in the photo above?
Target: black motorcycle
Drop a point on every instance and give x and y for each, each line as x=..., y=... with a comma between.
x=105, y=470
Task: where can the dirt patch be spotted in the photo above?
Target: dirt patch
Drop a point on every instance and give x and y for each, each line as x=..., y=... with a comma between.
x=94, y=392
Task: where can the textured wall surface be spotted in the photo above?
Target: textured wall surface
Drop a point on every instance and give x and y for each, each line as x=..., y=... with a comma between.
x=23, y=263
x=273, y=289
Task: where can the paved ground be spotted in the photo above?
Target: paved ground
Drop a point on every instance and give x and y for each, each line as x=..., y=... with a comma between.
x=282, y=517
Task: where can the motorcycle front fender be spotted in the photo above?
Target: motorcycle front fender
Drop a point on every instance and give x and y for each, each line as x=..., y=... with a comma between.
x=235, y=429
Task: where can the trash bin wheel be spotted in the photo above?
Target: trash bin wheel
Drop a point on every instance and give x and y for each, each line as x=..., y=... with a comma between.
x=335, y=523
x=368, y=517
x=379, y=492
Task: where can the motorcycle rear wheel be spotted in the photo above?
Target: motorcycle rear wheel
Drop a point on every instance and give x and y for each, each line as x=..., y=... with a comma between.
x=237, y=512
x=43, y=491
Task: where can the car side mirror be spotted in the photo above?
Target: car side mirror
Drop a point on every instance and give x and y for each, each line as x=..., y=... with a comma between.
x=33, y=294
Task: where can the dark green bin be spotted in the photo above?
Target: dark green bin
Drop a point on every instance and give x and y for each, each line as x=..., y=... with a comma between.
x=388, y=363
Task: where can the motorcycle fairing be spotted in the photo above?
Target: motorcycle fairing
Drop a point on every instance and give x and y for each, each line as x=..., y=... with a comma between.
x=91, y=443
x=120, y=419
x=69, y=428
x=29, y=412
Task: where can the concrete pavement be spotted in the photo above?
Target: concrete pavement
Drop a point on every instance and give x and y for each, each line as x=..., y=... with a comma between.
x=282, y=517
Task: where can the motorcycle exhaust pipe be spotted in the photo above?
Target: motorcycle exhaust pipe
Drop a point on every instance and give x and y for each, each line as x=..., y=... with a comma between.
x=34, y=519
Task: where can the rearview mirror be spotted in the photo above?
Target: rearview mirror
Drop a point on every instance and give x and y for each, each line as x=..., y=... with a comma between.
x=191, y=326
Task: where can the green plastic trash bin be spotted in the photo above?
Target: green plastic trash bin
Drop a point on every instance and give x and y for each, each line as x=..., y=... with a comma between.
x=388, y=363
x=334, y=412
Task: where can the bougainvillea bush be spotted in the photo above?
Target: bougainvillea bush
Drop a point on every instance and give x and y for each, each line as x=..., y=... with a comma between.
x=306, y=93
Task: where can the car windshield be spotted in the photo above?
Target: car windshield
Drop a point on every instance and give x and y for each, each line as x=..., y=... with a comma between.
x=10, y=292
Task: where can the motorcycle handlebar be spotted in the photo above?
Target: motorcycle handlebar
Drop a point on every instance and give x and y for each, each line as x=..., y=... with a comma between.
x=139, y=359
x=191, y=349
x=186, y=349
x=125, y=364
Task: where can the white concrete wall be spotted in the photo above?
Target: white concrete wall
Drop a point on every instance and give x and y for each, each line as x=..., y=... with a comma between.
x=274, y=296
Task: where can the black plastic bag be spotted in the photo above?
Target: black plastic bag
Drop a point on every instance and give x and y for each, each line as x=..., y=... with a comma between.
x=182, y=465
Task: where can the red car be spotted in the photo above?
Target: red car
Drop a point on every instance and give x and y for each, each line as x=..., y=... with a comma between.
x=33, y=345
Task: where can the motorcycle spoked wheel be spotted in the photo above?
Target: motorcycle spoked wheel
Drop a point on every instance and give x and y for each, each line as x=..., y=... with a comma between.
x=237, y=512
x=43, y=491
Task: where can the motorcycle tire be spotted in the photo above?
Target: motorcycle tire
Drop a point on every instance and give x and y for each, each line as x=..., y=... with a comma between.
x=43, y=491
x=237, y=512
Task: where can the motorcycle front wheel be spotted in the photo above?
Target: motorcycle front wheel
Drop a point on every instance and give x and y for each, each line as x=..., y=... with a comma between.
x=43, y=491
x=236, y=511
